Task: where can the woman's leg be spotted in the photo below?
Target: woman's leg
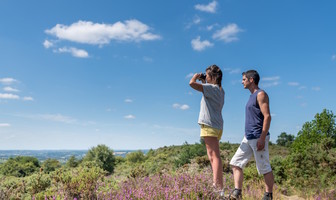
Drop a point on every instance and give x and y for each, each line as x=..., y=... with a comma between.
x=212, y=146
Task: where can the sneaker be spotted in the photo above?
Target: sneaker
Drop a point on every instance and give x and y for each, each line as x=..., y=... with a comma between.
x=267, y=196
x=236, y=194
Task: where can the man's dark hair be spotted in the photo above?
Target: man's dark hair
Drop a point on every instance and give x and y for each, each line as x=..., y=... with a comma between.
x=252, y=74
x=215, y=73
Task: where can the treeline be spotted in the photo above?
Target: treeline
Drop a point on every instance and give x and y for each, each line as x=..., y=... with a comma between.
x=305, y=164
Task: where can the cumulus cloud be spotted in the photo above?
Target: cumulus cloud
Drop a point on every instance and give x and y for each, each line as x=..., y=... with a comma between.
x=128, y=100
x=199, y=45
x=227, y=33
x=129, y=117
x=87, y=32
x=7, y=81
x=8, y=96
x=182, y=107
x=47, y=44
x=10, y=89
x=79, y=53
x=4, y=125
x=28, y=98
x=210, y=8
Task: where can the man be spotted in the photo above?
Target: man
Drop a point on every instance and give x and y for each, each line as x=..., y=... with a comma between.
x=256, y=139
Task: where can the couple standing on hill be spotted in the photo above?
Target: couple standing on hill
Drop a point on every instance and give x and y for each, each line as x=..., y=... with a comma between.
x=257, y=124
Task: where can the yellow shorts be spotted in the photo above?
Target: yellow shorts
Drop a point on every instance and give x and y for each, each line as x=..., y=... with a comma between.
x=207, y=131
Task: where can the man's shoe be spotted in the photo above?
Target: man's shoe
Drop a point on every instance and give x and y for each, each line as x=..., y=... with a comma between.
x=236, y=194
x=267, y=196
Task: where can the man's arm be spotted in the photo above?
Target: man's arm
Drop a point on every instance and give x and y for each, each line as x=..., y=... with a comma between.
x=194, y=84
x=263, y=101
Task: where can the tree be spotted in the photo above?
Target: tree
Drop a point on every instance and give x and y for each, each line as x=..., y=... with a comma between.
x=20, y=166
x=72, y=162
x=50, y=165
x=323, y=126
x=285, y=139
x=135, y=157
x=103, y=156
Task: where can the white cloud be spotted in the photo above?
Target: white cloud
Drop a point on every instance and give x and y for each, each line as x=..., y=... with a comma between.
x=7, y=81
x=275, y=83
x=10, y=89
x=57, y=118
x=227, y=33
x=182, y=107
x=210, y=8
x=189, y=75
x=87, y=32
x=232, y=71
x=128, y=100
x=79, y=53
x=196, y=20
x=4, y=125
x=316, y=88
x=47, y=44
x=129, y=117
x=28, y=98
x=293, y=83
x=8, y=96
x=270, y=81
x=147, y=59
x=273, y=78
x=199, y=45
x=302, y=87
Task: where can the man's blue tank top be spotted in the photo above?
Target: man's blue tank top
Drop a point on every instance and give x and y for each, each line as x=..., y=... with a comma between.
x=254, y=118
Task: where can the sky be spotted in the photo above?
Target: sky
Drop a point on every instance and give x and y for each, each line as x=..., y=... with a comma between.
x=75, y=74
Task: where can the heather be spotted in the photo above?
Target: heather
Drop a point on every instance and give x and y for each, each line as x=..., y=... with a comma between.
x=303, y=165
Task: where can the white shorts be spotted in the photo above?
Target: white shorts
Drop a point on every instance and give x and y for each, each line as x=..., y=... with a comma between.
x=245, y=151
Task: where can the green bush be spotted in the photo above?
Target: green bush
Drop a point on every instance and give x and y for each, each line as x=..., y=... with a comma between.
x=50, y=165
x=102, y=156
x=80, y=182
x=20, y=166
x=189, y=152
x=134, y=157
x=72, y=162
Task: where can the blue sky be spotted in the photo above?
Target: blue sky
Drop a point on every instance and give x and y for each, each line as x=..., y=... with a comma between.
x=74, y=74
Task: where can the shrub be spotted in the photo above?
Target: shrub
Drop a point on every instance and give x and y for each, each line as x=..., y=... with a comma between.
x=20, y=166
x=80, y=182
x=50, y=165
x=135, y=157
x=102, y=156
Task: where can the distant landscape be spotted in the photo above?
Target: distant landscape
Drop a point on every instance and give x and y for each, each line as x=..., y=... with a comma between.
x=303, y=165
x=61, y=155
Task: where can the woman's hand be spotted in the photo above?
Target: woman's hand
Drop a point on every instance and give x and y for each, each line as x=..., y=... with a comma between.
x=194, y=84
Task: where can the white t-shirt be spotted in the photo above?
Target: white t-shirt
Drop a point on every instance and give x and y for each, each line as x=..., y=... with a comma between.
x=211, y=106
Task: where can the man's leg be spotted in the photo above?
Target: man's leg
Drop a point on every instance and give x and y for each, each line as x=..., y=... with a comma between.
x=269, y=181
x=212, y=146
x=238, y=176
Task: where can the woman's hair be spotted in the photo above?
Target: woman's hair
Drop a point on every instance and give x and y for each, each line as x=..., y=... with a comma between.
x=215, y=73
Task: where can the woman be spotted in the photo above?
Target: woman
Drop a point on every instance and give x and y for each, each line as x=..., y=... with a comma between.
x=210, y=118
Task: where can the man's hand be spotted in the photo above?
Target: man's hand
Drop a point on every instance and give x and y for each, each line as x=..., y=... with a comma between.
x=260, y=144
